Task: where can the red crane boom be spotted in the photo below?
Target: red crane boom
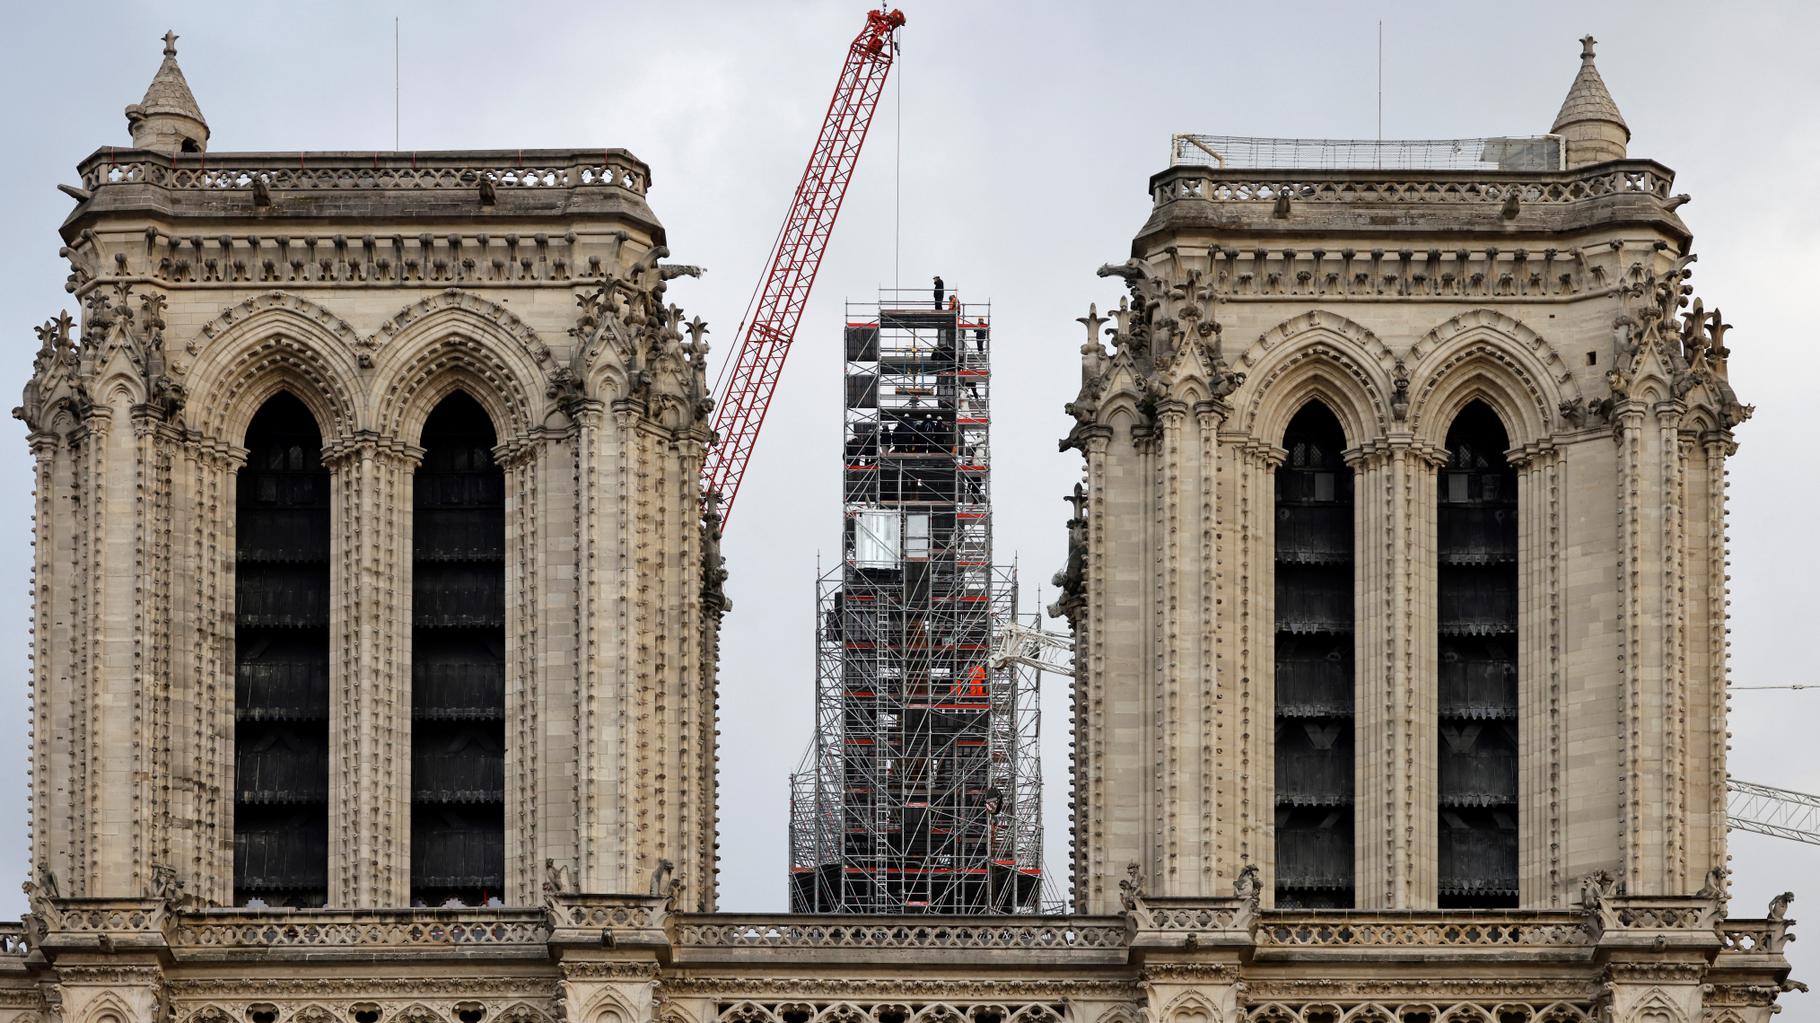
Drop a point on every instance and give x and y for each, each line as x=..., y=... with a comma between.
x=740, y=406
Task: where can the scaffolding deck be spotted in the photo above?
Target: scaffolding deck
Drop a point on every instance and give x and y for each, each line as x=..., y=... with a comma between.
x=920, y=791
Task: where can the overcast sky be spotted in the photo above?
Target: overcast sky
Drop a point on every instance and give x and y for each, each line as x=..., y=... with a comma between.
x=1027, y=134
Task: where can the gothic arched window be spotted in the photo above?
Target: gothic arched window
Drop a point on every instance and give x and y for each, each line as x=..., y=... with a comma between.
x=1476, y=593
x=1314, y=665
x=281, y=661
x=458, y=661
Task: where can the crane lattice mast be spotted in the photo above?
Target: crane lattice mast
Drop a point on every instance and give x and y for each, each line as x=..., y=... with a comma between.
x=741, y=404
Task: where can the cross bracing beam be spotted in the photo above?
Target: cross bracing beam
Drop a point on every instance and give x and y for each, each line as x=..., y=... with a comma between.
x=1767, y=810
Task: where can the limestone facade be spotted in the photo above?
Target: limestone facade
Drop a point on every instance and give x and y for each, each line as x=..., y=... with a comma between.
x=1560, y=300
x=370, y=287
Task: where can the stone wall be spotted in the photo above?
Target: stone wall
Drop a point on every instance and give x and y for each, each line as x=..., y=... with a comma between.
x=371, y=293
x=1559, y=300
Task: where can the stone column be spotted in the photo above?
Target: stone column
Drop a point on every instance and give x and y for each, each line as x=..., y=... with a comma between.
x=1375, y=692
x=1096, y=865
x=371, y=488
x=1188, y=731
x=202, y=733
x=1415, y=624
x=1713, y=671
x=1255, y=668
x=115, y=829
x=1541, y=824
x=1203, y=630
x=524, y=569
x=1652, y=679
x=1394, y=660
x=53, y=576
x=564, y=616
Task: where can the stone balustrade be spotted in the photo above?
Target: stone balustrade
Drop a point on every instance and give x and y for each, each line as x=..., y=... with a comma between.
x=1753, y=937
x=1420, y=928
x=1406, y=187
x=352, y=171
x=227, y=933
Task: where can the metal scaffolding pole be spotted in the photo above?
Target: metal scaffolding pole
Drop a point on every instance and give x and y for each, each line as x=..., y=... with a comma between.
x=921, y=791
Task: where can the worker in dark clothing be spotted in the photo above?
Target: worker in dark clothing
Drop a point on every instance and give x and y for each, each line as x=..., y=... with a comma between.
x=941, y=291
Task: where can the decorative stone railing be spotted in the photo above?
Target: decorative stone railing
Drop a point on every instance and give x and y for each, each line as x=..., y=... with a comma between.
x=1366, y=929
x=614, y=920
x=1208, y=184
x=646, y=922
x=715, y=931
x=1174, y=923
x=348, y=171
x=1753, y=937
x=1195, y=914
x=1658, y=913
x=229, y=931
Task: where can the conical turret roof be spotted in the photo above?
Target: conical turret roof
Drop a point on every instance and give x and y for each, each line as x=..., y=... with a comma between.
x=1589, y=123
x=168, y=117
x=1588, y=99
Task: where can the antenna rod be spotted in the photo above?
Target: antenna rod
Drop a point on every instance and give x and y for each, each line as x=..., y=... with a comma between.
x=1380, y=146
x=395, y=93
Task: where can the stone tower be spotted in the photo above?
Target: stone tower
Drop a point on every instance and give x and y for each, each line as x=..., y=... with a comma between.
x=368, y=531
x=376, y=613
x=1402, y=577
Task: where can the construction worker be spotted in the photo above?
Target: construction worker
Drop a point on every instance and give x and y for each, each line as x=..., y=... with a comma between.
x=941, y=291
x=975, y=686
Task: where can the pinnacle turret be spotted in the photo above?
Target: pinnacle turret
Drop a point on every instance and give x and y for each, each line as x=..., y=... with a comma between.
x=168, y=118
x=1589, y=121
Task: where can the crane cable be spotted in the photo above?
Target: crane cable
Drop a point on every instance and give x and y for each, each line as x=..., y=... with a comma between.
x=897, y=212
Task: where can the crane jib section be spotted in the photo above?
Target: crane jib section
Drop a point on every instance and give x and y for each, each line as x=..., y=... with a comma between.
x=758, y=360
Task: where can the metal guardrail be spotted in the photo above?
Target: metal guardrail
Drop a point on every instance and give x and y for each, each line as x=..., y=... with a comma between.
x=1502, y=153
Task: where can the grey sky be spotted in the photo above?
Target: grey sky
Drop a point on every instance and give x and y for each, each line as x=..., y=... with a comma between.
x=1028, y=133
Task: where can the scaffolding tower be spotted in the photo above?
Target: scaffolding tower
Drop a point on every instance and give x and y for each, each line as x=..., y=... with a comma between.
x=921, y=790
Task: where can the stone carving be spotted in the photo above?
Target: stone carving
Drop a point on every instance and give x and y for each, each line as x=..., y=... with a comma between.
x=121, y=339
x=627, y=329
x=663, y=884
x=54, y=364
x=1072, y=579
x=168, y=888
x=558, y=879
x=1131, y=888
x=713, y=562
x=1778, y=906
x=1717, y=886
x=1664, y=331
x=1598, y=888
x=1247, y=886
x=1166, y=349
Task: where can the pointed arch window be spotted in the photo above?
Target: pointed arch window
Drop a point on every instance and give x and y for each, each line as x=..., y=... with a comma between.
x=458, y=661
x=281, y=661
x=1314, y=665
x=1476, y=593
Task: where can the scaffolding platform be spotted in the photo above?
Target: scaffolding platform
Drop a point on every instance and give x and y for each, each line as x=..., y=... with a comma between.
x=921, y=790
